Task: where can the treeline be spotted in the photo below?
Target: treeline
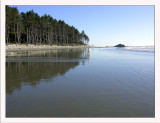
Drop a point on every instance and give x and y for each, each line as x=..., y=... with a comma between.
x=30, y=28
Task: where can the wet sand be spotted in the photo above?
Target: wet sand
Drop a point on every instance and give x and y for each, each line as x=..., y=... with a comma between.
x=99, y=82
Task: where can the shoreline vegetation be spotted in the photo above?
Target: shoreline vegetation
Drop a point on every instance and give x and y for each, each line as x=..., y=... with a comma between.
x=31, y=28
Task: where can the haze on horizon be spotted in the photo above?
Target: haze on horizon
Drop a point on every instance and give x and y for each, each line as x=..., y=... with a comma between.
x=105, y=25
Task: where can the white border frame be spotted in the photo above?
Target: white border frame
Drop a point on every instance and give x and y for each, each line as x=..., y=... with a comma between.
x=156, y=3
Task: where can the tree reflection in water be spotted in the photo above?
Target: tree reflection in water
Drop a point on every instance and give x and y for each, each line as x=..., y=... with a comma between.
x=30, y=67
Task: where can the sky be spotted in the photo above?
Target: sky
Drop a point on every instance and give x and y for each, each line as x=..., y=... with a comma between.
x=105, y=25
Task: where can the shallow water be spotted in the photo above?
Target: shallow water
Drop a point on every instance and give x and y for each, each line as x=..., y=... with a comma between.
x=141, y=48
x=105, y=82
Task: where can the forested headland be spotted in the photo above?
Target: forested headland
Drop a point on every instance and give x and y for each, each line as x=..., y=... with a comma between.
x=30, y=28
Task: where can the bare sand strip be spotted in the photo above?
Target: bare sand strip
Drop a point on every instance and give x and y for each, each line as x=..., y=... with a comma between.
x=15, y=48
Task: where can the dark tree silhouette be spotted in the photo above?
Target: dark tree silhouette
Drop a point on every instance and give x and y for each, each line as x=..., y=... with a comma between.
x=30, y=28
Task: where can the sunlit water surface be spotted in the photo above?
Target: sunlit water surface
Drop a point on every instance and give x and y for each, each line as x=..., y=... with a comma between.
x=95, y=82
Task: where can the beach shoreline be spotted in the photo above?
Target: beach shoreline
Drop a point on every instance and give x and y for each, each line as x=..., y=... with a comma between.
x=31, y=47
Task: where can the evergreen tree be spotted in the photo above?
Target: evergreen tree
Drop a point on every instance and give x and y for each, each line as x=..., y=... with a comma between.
x=30, y=28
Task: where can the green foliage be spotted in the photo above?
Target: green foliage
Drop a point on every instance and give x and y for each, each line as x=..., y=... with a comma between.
x=30, y=28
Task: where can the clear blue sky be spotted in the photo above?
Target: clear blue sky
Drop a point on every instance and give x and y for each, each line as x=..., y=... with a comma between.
x=106, y=25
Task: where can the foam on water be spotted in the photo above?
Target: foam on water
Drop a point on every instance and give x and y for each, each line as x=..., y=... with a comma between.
x=141, y=48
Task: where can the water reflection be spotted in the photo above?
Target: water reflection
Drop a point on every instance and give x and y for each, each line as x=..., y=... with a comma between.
x=30, y=67
x=116, y=83
x=47, y=55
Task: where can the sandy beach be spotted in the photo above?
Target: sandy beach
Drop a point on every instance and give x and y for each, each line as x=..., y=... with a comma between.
x=12, y=48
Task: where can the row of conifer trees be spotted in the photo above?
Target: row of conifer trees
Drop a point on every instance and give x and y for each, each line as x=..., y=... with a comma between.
x=30, y=28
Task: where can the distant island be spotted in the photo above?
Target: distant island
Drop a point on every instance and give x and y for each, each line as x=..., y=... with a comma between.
x=120, y=45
